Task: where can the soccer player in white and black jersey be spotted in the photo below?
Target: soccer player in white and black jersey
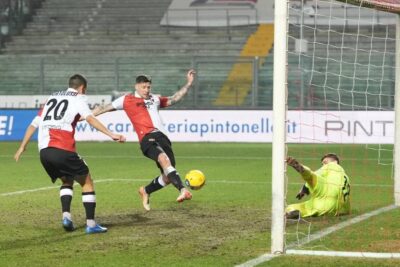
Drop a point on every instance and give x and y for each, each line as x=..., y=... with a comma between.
x=142, y=109
x=56, y=122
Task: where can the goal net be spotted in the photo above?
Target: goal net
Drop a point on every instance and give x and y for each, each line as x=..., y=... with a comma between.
x=337, y=94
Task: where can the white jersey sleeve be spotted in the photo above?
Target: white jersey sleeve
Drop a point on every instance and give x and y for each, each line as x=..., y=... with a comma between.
x=35, y=122
x=84, y=110
x=118, y=103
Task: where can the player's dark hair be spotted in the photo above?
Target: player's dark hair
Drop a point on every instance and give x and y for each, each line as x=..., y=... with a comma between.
x=143, y=79
x=76, y=80
x=332, y=156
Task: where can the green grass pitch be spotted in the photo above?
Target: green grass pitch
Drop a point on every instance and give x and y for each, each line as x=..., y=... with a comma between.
x=226, y=223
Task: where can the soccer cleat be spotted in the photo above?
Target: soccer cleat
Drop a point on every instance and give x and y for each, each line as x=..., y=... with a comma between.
x=293, y=215
x=96, y=229
x=145, y=198
x=184, y=195
x=68, y=225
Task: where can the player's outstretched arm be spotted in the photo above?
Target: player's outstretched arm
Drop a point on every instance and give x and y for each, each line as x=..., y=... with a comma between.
x=27, y=137
x=103, y=109
x=99, y=126
x=183, y=91
x=306, y=173
x=295, y=164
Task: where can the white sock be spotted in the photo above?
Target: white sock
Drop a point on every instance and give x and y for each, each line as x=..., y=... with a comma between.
x=168, y=170
x=67, y=215
x=161, y=181
x=91, y=223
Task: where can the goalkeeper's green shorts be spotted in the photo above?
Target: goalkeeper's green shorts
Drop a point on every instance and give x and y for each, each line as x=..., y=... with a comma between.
x=314, y=207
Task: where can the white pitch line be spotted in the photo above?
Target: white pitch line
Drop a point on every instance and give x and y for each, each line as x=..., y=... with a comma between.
x=120, y=180
x=194, y=157
x=318, y=235
x=350, y=254
x=146, y=180
x=28, y=191
x=142, y=157
x=339, y=226
x=53, y=187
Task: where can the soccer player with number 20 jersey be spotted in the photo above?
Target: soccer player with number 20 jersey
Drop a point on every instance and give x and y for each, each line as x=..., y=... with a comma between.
x=56, y=122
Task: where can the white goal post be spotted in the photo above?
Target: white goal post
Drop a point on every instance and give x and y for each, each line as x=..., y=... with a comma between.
x=279, y=134
x=397, y=118
x=280, y=106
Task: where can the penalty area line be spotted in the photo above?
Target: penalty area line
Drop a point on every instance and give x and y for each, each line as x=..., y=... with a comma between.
x=54, y=187
x=204, y=157
x=320, y=234
x=28, y=191
x=20, y=192
x=146, y=180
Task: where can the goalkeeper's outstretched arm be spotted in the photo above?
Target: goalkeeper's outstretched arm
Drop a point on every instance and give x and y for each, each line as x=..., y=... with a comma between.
x=306, y=173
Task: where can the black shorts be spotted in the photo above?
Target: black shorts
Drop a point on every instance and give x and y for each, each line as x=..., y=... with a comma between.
x=153, y=144
x=60, y=163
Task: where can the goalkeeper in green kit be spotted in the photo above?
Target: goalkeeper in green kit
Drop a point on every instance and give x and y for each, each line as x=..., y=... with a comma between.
x=328, y=187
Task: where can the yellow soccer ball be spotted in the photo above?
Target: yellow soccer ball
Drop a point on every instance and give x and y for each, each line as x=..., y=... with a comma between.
x=195, y=179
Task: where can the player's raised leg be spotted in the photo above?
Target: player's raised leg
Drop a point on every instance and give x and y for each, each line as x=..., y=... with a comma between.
x=173, y=177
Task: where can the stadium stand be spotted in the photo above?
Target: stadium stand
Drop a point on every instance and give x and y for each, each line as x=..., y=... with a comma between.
x=69, y=36
x=111, y=42
x=240, y=82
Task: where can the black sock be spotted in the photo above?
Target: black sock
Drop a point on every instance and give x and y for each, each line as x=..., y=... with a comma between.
x=175, y=180
x=66, y=193
x=89, y=202
x=153, y=186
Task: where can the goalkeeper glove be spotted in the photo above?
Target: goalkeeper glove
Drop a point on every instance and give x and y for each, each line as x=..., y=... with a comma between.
x=303, y=191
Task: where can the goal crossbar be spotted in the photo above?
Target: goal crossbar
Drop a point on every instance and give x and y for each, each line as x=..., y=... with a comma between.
x=385, y=5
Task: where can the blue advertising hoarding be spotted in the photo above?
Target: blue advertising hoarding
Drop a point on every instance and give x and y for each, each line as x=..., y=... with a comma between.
x=13, y=123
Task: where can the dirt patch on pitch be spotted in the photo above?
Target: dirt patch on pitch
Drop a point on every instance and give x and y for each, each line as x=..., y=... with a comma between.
x=189, y=228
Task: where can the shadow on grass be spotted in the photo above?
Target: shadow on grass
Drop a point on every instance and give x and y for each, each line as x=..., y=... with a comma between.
x=152, y=218
x=51, y=237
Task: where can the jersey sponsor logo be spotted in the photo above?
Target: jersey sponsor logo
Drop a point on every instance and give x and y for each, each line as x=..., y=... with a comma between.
x=148, y=103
